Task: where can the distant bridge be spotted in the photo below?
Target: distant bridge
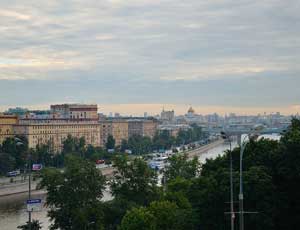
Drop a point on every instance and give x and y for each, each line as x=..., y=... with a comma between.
x=239, y=132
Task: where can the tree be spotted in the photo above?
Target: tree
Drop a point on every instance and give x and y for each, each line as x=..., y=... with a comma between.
x=35, y=225
x=7, y=163
x=159, y=215
x=69, y=145
x=124, y=145
x=163, y=140
x=110, y=144
x=42, y=154
x=287, y=179
x=138, y=219
x=134, y=181
x=169, y=217
x=139, y=144
x=16, y=147
x=180, y=166
x=73, y=196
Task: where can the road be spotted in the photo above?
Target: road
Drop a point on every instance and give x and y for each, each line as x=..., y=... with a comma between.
x=203, y=149
x=9, y=189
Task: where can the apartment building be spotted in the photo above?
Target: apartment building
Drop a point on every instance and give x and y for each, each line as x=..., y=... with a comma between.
x=55, y=131
x=7, y=123
x=75, y=111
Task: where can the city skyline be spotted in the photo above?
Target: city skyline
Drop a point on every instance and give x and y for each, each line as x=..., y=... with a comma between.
x=220, y=56
x=155, y=109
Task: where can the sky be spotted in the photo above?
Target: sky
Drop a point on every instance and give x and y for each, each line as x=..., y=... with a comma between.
x=132, y=56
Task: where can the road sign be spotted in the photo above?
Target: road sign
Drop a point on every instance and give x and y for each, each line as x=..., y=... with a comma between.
x=34, y=205
x=37, y=167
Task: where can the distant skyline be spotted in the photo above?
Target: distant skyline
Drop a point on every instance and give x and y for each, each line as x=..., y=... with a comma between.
x=154, y=109
x=135, y=56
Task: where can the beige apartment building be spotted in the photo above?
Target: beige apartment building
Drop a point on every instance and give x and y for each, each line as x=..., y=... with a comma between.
x=123, y=129
x=105, y=131
x=55, y=131
x=7, y=123
x=150, y=128
x=120, y=131
x=76, y=120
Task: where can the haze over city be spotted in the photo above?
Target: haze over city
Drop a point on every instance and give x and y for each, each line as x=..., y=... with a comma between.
x=138, y=56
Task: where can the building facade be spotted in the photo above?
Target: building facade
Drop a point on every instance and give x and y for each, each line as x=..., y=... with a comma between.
x=167, y=116
x=123, y=129
x=76, y=120
x=135, y=127
x=7, y=123
x=55, y=131
x=120, y=131
x=76, y=111
x=150, y=127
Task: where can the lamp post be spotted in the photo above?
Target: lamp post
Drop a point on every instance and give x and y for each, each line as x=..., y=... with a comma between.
x=19, y=142
x=253, y=135
x=232, y=215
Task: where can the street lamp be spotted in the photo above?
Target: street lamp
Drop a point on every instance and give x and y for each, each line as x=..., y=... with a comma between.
x=253, y=135
x=225, y=136
x=19, y=142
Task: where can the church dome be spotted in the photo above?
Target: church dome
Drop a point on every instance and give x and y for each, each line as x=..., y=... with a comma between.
x=191, y=110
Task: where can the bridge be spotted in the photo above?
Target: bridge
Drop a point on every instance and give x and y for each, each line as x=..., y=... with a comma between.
x=239, y=132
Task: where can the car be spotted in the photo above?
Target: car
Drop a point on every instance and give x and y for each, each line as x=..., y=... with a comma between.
x=14, y=173
x=98, y=162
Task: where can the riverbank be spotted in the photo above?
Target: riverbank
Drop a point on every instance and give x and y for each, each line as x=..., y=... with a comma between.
x=203, y=149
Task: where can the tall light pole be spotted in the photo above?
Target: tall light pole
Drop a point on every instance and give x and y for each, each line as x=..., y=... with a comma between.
x=241, y=195
x=19, y=142
x=29, y=189
x=232, y=214
x=253, y=135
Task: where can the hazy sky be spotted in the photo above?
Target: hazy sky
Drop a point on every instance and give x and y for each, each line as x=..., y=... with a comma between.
x=136, y=55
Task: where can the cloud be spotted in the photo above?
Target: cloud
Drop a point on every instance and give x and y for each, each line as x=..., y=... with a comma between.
x=15, y=15
x=139, y=46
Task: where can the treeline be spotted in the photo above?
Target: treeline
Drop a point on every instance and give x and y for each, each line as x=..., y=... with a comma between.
x=193, y=196
x=15, y=154
x=163, y=140
x=14, y=151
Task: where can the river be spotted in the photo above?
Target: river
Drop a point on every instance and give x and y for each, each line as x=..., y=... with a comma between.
x=13, y=209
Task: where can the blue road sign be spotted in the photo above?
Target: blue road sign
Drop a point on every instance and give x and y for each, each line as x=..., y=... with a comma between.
x=34, y=201
x=34, y=205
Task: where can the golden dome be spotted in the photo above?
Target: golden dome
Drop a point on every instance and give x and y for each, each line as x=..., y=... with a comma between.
x=191, y=110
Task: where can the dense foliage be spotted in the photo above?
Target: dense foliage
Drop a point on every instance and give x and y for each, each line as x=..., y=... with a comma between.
x=74, y=195
x=13, y=154
x=162, y=140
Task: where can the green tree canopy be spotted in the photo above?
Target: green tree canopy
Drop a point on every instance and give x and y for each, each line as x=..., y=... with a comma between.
x=110, y=144
x=181, y=166
x=134, y=181
x=73, y=195
x=138, y=219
